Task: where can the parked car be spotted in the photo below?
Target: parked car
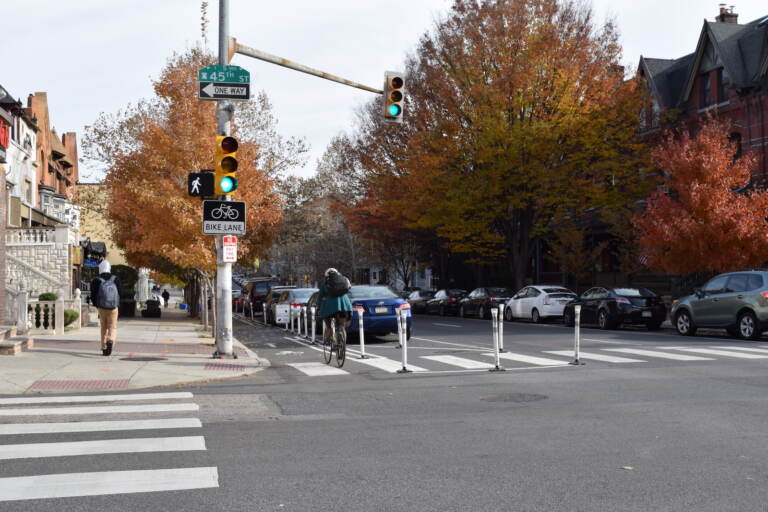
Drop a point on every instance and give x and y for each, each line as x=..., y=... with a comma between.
x=289, y=300
x=734, y=301
x=446, y=302
x=256, y=292
x=538, y=302
x=611, y=307
x=480, y=301
x=271, y=299
x=418, y=300
x=379, y=303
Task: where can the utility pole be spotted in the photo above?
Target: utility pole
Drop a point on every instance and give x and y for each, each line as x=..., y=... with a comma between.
x=225, y=111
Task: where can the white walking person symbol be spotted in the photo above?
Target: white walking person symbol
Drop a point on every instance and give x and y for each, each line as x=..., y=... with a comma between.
x=196, y=185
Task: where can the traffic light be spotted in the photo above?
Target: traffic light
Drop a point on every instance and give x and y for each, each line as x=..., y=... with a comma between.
x=394, y=96
x=225, y=181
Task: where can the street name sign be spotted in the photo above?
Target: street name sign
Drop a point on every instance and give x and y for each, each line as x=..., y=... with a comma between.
x=230, y=249
x=229, y=74
x=224, y=83
x=200, y=184
x=223, y=218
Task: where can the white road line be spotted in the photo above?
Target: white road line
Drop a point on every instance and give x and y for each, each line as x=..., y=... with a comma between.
x=271, y=345
x=388, y=365
x=317, y=369
x=94, y=398
x=97, y=426
x=460, y=362
x=746, y=349
x=108, y=409
x=543, y=361
x=448, y=343
x=446, y=325
x=660, y=355
x=67, y=449
x=713, y=352
x=594, y=356
x=609, y=342
x=106, y=482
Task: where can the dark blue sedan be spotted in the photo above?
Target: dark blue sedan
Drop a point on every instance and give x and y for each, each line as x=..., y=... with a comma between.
x=379, y=303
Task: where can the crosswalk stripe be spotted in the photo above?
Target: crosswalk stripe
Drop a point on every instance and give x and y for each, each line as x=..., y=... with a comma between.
x=97, y=426
x=107, y=482
x=388, y=365
x=594, y=356
x=725, y=353
x=522, y=358
x=317, y=369
x=460, y=362
x=746, y=349
x=660, y=355
x=95, y=398
x=73, y=448
x=109, y=409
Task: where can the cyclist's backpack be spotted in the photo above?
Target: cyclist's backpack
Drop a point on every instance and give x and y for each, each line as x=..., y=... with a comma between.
x=337, y=284
x=108, y=297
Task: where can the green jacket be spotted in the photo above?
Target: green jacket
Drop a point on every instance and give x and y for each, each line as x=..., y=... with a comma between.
x=330, y=304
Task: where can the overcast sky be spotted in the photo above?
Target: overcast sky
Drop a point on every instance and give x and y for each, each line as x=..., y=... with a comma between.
x=95, y=56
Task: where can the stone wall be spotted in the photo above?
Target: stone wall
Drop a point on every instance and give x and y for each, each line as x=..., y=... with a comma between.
x=42, y=264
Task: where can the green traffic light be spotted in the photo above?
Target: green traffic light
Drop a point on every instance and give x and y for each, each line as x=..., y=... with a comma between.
x=394, y=110
x=228, y=184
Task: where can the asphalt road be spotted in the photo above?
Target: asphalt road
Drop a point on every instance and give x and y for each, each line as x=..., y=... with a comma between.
x=652, y=421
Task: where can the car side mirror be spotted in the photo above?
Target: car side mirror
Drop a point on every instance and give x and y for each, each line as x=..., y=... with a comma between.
x=698, y=292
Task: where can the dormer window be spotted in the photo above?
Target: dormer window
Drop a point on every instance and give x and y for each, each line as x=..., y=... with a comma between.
x=720, y=86
x=705, y=90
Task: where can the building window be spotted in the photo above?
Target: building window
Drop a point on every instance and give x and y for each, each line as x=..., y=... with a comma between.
x=26, y=192
x=704, y=90
x=720, y=86
x=735, y=138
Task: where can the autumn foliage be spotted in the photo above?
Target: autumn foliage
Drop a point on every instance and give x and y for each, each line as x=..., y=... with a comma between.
x=710, y=220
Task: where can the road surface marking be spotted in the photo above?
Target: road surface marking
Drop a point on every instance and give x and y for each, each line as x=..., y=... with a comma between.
x=713, y=352
x=746, y=349
x=660, y=355
x=388, y=365
x=95, y=398
x=596, y=357
x=66, y=449
x=317, y=369
x=460, y=362
x=448, y=343
x=109, y=409
x=101, y=483
x=97, y=426
x=446, y=325
x=542, y=361
x=271, y=345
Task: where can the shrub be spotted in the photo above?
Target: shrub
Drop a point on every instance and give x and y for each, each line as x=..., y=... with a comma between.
x=70, y=315
x=47, y=296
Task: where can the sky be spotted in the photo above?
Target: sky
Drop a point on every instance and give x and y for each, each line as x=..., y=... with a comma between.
x=94, y=56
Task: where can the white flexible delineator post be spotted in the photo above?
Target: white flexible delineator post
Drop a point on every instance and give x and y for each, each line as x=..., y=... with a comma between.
x=312, y=310
x=360, y=311
x=501, y=327
x=495, y=328
x=576, y=335
x=401, y=332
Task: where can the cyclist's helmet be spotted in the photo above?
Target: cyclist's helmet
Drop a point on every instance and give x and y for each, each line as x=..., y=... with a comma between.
x=330, y=271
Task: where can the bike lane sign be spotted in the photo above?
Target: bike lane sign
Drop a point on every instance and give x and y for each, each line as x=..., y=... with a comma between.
x=223, y=218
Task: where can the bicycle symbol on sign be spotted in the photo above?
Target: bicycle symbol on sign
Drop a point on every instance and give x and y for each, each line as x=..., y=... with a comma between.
x=225, y=212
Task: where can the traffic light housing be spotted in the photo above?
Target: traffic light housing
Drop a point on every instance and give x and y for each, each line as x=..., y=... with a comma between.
x=394, y=96
x=225, y=181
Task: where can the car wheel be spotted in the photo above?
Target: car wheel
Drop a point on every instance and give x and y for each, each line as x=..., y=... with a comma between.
x=508, y=315
x=461, y=311
x=748, y=326
x=481, y=312
x=604, y=320
x=535, y=317
x=684, y=324
x=568, y=318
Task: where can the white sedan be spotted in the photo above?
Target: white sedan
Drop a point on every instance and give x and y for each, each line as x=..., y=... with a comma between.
x=538, y=302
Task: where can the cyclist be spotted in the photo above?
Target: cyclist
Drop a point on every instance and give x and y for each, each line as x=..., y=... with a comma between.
x=334, y=303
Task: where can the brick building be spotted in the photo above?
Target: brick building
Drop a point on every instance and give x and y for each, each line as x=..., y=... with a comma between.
x=726, y=76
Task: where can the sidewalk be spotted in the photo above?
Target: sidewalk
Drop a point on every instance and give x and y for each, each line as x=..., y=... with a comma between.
x=165, y=351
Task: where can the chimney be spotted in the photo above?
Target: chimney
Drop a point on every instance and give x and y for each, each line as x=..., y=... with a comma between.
x=727, y=15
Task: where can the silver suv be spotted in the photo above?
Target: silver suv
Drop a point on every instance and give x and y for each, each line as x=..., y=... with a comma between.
x=735, y=301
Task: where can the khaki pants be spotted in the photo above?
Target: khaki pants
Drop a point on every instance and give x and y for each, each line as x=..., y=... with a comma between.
x=108, y=321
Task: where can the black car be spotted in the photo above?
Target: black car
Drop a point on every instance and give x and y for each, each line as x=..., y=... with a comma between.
x=418, y=300
x=446, y=302
x=481, y=300
x=255, y=293
x=611, y=307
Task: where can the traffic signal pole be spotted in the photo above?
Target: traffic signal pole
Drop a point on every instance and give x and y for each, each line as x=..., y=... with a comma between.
x=224, y=113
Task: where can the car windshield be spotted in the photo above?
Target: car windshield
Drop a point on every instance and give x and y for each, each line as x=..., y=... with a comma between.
x=426, y=295
x=633, y=292
x=371, y=292
x=304, y=294
x=558, y=290
x=562, y=295
x=454, y=293
x=500, y=292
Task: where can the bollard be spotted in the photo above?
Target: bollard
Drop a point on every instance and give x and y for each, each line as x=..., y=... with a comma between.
x=401, y=328
x=250, y=310
x=576, y=335
x=501, y=327
x=495, y=325
x=264, y=310
x=304, y=319
x=360, y=310
x=314, y=327
x=288, y=318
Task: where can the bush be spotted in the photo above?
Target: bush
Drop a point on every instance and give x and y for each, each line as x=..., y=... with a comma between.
x=70, y=315
x=47, y=296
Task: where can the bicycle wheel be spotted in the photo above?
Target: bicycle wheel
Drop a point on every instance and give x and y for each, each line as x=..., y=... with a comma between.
x=341, y=348
x=327, y=349
x=216, y=213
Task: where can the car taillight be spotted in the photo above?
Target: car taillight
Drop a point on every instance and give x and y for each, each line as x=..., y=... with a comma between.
x=622, y=300
x=296, y=305
x=405, y=306
x=764, y=294
x=451, y=299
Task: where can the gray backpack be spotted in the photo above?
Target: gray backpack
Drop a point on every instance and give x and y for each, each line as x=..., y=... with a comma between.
x=108, y=297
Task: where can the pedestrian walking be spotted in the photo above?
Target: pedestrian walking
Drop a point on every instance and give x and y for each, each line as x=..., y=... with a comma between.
x=166, y=297
x=105, y=295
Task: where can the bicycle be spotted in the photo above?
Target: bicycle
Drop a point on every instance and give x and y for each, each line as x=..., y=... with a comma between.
x=225, y=211
x=337, y=342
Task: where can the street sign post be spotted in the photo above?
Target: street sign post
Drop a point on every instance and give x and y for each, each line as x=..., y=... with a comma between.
x=223, y=218
x=224, y=83
x=200, y=184
x=229, y=243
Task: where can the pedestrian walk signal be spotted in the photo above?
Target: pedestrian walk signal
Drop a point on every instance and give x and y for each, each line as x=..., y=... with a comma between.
x=394, y=96
x=200, y=184
x=226, y=165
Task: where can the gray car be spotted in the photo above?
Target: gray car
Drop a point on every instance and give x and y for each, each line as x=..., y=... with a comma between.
x=734, y=301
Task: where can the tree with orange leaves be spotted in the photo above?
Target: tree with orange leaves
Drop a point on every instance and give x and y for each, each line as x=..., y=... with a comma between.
x=709, y=219
x=148, y=149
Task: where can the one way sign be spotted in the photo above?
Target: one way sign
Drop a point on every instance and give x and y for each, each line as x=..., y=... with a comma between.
x=224, y=91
